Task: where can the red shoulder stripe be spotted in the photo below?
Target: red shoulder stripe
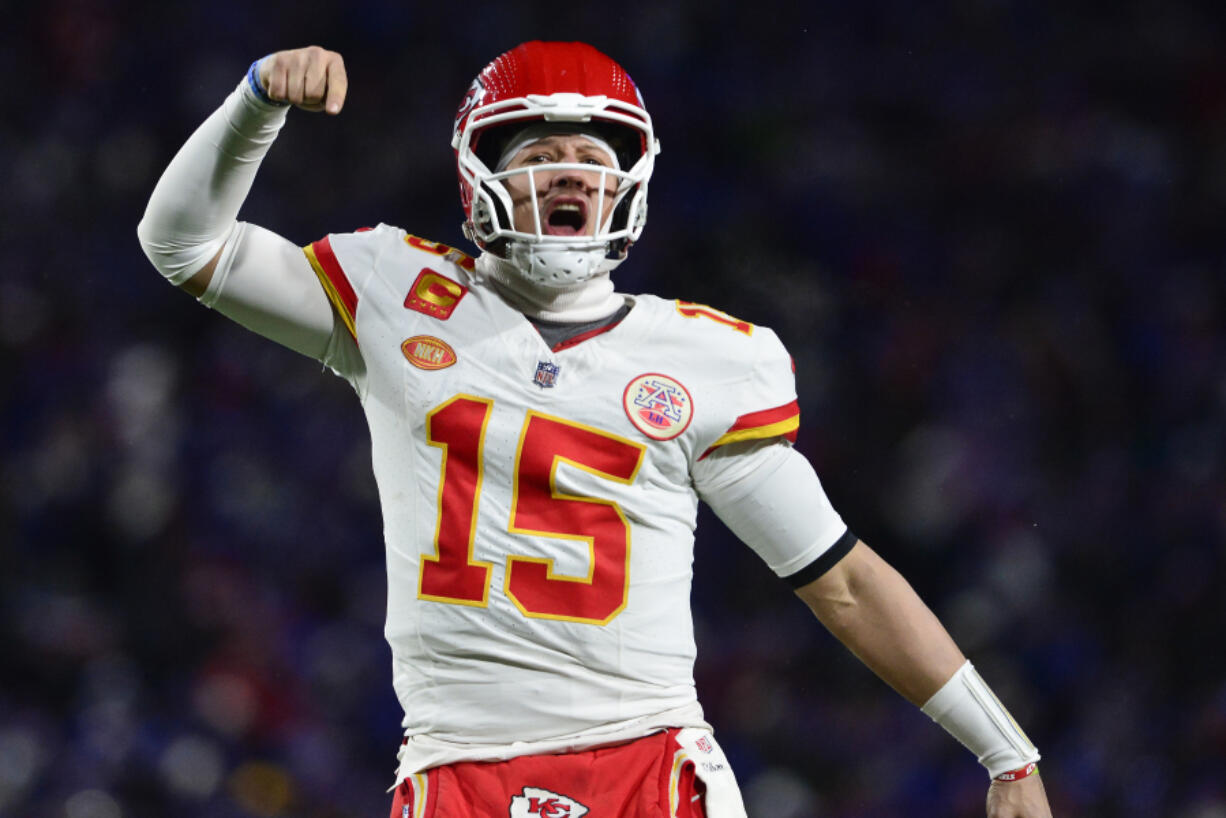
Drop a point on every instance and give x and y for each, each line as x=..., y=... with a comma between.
x=781, y=421
x=335, y=282
x=766, y=417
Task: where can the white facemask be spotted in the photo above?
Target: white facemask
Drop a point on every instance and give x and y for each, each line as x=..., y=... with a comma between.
x=558, y=262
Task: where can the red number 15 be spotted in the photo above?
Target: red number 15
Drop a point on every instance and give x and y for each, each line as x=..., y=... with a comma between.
x=538, y=508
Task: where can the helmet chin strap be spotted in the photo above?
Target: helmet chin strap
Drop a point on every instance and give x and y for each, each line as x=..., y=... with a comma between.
x=589, y=299
x=556, y=266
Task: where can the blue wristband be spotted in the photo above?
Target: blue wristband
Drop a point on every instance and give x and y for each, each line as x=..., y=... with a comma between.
x=253, y=79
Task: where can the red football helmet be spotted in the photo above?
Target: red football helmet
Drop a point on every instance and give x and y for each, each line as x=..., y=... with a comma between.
x=553, y=83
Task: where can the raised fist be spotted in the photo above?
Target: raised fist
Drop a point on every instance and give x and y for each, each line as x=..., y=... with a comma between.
x=312, y=78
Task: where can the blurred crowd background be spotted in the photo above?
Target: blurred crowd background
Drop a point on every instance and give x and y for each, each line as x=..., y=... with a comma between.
x=990, y=232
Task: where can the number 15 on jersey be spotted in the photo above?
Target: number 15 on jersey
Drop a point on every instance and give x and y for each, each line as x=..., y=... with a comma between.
x=538, y=507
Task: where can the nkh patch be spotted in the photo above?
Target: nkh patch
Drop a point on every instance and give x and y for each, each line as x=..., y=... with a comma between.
x=538, y=803
x=546, y=374
x=428, y=352
x=658, y=406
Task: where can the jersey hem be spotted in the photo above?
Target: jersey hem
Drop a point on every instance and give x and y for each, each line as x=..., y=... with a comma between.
x=423, y=752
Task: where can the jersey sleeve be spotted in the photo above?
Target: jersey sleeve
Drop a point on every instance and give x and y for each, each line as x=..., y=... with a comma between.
x=335, y=281
x=766, y=407
x=344, y=263
x=262, y=282
x=768, y=494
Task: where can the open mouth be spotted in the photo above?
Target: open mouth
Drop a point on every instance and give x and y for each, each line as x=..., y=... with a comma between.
x=566, y=217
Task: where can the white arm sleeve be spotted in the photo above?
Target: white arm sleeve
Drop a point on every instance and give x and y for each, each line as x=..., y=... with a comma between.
x=769, y=496
x=193, y=207
x=262, y=280
x=265, y=283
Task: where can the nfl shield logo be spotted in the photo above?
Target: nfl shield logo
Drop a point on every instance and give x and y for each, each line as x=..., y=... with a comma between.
x=546, y=374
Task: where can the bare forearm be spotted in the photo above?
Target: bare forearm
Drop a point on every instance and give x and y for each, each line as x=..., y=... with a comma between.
x=874, y=611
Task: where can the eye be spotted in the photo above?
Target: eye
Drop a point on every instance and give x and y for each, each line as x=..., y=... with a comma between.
x=540, y=158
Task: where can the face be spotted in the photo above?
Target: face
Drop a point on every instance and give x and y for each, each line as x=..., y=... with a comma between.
x=568, y=200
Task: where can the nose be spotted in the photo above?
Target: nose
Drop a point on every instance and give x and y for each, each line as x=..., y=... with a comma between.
x=576, y=179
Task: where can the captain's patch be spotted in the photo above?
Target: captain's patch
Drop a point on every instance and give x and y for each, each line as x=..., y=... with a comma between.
x=434, y=294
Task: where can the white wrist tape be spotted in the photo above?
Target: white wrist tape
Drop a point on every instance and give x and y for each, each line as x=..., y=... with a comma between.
x=966, y=707
x=196, y=202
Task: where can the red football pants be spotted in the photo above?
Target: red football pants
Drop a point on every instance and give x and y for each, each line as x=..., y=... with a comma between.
x=646, y=778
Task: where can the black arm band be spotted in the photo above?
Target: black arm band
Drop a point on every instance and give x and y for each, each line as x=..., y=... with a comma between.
x=825, y=562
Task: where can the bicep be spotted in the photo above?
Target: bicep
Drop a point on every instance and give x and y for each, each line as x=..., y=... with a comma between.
x=264, y=282
x=769, y=496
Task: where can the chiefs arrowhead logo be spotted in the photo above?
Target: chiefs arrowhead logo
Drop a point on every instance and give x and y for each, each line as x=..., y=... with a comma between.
x=538, y=803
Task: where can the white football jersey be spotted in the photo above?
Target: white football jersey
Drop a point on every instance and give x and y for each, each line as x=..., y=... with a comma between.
x=538, y=507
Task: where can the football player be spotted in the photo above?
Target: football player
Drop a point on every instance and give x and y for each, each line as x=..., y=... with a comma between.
x=541, y=442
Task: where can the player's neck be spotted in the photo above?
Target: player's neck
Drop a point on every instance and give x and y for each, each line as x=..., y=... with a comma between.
x=590, y=300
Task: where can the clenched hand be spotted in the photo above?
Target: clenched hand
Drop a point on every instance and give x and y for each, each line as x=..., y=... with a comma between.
x=311, y=78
